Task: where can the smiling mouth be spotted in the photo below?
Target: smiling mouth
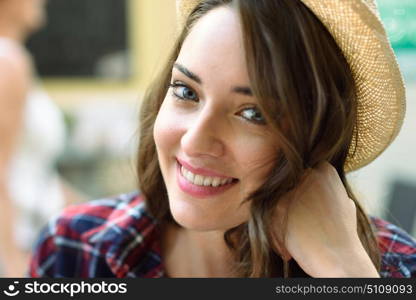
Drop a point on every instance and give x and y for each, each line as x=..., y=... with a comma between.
x=205, y=181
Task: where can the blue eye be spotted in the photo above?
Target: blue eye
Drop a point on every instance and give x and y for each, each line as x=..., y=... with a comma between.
x=183, y=92
x=252, y=114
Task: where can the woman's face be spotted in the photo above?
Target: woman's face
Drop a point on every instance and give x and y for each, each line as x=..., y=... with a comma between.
x=213, y=145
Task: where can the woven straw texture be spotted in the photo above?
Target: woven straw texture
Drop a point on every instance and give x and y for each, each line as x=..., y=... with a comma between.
x=358, y=31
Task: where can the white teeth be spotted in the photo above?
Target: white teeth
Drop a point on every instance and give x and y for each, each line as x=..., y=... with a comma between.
x=208, y=181
x=216, y=181
x=204, y=180
x=199, y=180
x=188, y=175
x=224, y=181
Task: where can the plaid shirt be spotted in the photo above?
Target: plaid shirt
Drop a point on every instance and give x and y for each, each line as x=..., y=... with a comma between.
x=116, y=237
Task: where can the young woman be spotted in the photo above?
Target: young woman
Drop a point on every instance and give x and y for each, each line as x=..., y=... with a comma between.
x=246, y=137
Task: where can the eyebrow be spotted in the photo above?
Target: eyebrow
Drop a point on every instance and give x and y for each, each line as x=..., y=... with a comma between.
x=188, y=73
x=244, y=90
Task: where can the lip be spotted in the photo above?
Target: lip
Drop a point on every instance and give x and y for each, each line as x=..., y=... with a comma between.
x=197, y=190
x=202, y=171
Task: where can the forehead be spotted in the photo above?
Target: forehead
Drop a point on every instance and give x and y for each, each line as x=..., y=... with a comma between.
x=215, y=44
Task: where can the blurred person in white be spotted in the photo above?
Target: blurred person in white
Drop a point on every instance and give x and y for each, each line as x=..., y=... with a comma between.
x=32, y=135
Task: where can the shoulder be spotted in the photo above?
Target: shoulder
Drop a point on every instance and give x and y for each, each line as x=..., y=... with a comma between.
x=398, y=249
x=88, y=218
x=92, y=239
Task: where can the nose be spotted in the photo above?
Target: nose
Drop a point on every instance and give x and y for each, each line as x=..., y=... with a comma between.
x=204, y=135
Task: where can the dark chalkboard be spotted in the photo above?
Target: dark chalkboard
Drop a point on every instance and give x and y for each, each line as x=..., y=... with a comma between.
x=83, y=38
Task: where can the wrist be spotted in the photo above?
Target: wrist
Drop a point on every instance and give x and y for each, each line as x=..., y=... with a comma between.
x=353, y=263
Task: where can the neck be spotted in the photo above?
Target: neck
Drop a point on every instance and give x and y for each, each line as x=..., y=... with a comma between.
x=12, y=32
x=188, y=253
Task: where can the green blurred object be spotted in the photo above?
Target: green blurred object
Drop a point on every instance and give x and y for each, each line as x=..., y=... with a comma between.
x=399, y=18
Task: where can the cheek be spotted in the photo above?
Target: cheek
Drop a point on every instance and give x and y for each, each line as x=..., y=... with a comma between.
x=166, y=132
x=255, y=158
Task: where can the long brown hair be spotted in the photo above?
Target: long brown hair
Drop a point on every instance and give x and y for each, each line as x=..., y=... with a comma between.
x=305, y=89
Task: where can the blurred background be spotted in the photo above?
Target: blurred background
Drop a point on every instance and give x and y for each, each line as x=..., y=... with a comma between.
x=94, y=58
x=73, y=138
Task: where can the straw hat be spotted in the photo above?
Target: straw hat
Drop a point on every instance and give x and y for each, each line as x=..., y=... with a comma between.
x=358, y=31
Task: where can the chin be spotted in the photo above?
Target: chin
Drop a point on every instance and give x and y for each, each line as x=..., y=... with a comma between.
x=193, y=222
x=199, y=221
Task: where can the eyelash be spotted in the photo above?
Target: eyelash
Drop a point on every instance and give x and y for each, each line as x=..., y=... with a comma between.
x=178, y=84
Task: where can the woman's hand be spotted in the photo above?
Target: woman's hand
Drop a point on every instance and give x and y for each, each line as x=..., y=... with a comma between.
x=321, y=232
